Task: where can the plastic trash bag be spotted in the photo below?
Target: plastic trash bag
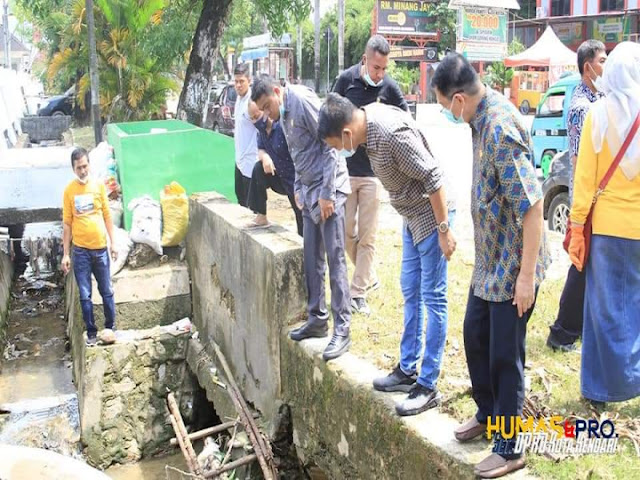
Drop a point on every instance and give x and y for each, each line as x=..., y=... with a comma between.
x=99, y=159
x=175, y=214
x=123, y=246
x=146, y=224
x=116, y=208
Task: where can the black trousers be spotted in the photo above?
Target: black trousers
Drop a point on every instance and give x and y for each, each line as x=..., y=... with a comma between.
x=242, y=187
x=494, y=342
x=257, y=195
x=568, y=325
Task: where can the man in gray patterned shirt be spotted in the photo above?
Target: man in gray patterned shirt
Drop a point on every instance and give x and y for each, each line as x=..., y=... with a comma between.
x=401, y=159
x=321, y=187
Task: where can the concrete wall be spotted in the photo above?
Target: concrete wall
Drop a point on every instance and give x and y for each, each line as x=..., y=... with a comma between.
x=146, y=297
x=122, y=392
x=6, y=275
x=246, y=286
x=21, y=189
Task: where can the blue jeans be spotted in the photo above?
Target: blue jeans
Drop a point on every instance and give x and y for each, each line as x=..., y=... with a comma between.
x=86, y=262
x=423, y=279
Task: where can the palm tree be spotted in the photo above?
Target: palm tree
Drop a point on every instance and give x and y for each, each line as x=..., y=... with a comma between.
x=133, y=85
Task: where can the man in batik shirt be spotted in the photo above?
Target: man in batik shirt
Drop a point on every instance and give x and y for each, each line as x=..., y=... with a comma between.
x=510, y=253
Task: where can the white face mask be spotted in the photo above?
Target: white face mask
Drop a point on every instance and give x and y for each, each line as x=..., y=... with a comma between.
x=597, y=82
x=83, y=181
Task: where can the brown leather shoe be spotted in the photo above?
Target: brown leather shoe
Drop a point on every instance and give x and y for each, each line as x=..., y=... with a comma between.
x=470, y=430
x=495, y=466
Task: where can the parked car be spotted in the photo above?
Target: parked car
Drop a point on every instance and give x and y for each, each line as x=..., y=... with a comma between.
x=556, y=192
x=549, y=128
x=220, y=110
x=58, y=105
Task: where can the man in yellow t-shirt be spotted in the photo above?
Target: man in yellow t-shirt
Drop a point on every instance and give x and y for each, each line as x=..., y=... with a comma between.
x=87, y=221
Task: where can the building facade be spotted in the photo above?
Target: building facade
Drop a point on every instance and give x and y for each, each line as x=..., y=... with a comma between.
x=574, y=21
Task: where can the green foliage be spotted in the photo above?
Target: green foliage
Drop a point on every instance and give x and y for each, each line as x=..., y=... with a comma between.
x=445, y=22
x=357, y=28
x=134, y=70
x=498, y=76
x=515, y=47
x=405, y=75
x=280, y=14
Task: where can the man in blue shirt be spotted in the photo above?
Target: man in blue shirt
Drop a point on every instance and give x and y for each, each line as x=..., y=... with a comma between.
x=274, y=168
x=321, y=187
x=568, y=325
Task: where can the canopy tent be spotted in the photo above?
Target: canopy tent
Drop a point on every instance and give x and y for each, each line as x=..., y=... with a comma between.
x=548, y=51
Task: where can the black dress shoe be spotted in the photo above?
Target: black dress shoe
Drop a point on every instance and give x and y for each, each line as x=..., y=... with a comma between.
x=308, y=330
x=555, y=345
x=337, y=346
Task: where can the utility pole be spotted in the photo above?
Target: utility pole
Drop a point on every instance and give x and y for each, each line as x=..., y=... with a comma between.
x=7, y=35
x=299, y=46
x=316, y=46
x=340, y=36
x=328, y=58
x=93, y=73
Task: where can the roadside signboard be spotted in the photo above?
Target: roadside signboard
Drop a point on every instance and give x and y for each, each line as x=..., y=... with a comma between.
x=482, y=33
x=406, y=18
x=413, y=54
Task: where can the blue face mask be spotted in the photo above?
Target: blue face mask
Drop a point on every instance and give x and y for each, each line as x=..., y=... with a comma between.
x=369, y=80
x=451, y=117
x=281, y=111
x=346, y=153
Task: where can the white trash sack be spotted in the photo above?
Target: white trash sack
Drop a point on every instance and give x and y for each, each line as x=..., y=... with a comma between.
x=146, y=224
x=123, y=246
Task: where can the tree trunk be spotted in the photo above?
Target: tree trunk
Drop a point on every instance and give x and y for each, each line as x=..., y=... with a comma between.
x=193, y=98
x=93, y=74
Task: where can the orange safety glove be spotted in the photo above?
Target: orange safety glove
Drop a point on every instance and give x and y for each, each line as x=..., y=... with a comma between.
x=577, y=246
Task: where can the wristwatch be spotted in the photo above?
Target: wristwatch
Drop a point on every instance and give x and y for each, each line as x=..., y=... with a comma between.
x=443, y=227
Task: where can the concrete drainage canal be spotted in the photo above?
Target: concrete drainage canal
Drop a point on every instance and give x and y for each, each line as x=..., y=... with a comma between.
x=201, y=345
x=107, y=406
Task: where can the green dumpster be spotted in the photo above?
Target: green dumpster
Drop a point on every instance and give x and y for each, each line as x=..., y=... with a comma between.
x=152, y=154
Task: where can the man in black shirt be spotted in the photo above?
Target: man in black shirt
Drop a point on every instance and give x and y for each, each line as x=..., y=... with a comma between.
x=365, y=83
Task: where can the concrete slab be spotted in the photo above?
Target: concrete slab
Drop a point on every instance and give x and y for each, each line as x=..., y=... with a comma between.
x=23, y=463
x=33, y=179
x=146, y=297
x=148, y=284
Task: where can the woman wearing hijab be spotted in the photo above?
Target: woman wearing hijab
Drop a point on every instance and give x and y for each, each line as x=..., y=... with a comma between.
x=611, y=335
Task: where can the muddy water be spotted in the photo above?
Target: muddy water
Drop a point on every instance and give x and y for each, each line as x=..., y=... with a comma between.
x=37, y=396
x=151, y=469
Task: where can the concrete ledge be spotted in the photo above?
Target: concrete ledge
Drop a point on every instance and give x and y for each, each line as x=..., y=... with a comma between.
x=351, y=431
x=13, y=216
x=147, y=297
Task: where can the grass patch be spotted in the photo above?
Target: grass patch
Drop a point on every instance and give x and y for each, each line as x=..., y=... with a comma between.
x=84, y=137
x=554, y=378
